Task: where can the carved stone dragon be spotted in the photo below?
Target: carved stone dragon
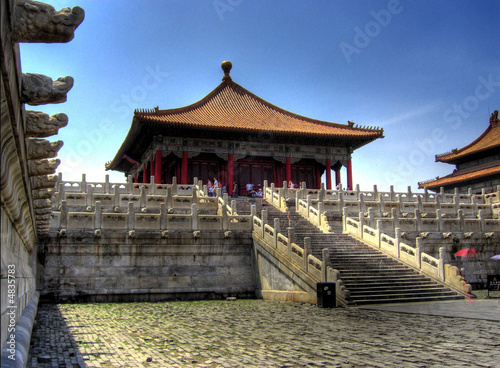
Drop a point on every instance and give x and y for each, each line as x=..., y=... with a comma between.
x=40, y=124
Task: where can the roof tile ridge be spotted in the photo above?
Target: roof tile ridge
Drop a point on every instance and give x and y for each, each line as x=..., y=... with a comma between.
x=305, y=118
x=190, y=107
x=457, y=151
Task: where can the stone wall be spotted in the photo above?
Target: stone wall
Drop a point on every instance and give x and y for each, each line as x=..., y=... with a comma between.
x=147, y=267
x=18, y=236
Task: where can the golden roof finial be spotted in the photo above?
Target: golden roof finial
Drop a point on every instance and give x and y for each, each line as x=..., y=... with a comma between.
x=226, y=67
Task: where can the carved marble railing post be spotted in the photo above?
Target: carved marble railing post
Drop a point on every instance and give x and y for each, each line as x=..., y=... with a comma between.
x=443, y=258
x=174, y=187
x=418, y=219
x=419, y=202
x=482, y=221
x=439, y=219
x=116, y=196
x=253, y=210
x=340, y=194
x=375, y=192
x=169, y=197
x=371, y=217
x=83, y=184
x=233, y=206
x=397, y=237
x=89, y=190
x=321, y=193
x=418, y=251
x=60, y=193
x=410, y=194
x=97, y=215
x=393, y=195
x=400, y=203
x=325, y=264
x=426, y=195
x=357, y=192
x=276, y=231
x=379, y=232
x=264, y=187
x=344, y=219
x=309, y=204
x=225, y=222
x=461, y=221
x=163, y=216
x=152, y=186
x=361, y=199
x=106, y=188
x=437, y=202
x=194, y=217
x=142, y=193
x=130, y=184
x=361, y=224
x=291, y=239
x=395, y=218
x=264, y=222
x=307, y=251
x=63, y=219
x=320, y=211
x=131, y=216
x=381, y=202
x=474, y=206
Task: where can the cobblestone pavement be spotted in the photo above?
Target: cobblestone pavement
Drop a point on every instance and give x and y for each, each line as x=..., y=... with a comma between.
x=255, y=333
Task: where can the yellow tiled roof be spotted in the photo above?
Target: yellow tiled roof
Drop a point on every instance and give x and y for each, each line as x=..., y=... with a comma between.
x=463, y=175
x=489, y=139
x=230, y=107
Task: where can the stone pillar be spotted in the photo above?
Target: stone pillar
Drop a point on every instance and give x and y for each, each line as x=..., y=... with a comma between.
x=184, y=167
x=307, y=251
x=106, y=184
x=131, y=215
x=397, y=236
x=461, y=221
x=418, y=250
x=328, y=174
x=276, y=231
x=158, y=167
x=443, y=258
x=439, y=220
x=230, y=173
x=349, y=175
x=63, y=219
x=97, y=215
x=90, y=190
x=163, y=216
x=324, y=265
x=83, y=184
x=288, y=171
x=381, y=202
x=194, y=217
x=418, y=220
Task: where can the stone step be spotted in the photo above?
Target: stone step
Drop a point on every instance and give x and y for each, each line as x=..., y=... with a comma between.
x=406, y=299
x=371, y=276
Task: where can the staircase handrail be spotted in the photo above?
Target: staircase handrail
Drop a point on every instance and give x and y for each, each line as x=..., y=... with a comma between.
x=437, y=268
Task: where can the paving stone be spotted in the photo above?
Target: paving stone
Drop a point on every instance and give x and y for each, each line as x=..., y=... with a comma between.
x=254, y=333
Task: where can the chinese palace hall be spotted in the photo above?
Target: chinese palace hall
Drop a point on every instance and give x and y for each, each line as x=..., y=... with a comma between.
x=238, y=138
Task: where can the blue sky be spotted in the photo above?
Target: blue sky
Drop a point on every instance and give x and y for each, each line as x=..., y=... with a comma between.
x=428, y=72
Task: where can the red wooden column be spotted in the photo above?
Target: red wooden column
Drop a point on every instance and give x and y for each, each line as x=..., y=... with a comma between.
x=230, y=167
x=184, y=168
x=152, y=166
x=145, y=173
x=338, y=179
x=136, y=178
x=158, y=167
x=328, y=174
x=349, y=175
x=288, y=171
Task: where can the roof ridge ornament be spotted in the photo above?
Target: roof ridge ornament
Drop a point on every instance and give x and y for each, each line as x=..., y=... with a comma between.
x=226, y=67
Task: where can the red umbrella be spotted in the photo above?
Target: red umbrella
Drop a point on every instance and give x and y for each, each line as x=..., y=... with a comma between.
x=467, y=252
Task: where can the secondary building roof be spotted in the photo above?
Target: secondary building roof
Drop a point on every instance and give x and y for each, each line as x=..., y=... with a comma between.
x=489, y=140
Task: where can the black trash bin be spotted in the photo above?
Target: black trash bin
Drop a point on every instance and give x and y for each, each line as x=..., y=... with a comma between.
x=326, y=295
